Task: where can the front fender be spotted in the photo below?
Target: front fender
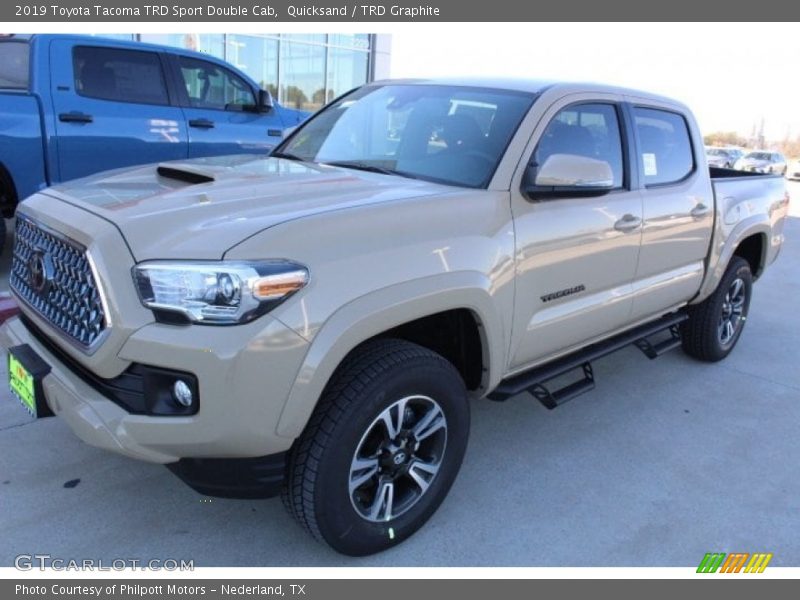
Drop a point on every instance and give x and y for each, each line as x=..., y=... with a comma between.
x=381, y=310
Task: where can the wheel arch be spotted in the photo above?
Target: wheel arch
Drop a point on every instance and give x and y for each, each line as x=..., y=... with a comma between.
x=7, y=204
x=753, y=249
x=756, y=227
x=400, y=311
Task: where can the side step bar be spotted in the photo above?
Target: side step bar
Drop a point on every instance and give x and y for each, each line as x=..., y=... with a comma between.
x=534, y=380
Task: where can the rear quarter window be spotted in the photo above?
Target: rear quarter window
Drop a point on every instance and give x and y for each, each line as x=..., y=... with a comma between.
x=14, y=65
x=665, y=147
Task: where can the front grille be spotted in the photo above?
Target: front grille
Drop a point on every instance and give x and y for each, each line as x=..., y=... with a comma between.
x=52, y=274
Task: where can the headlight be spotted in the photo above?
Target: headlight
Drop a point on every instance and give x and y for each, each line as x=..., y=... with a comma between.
x=216, y=293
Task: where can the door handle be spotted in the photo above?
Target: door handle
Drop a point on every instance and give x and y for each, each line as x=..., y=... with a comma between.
x=201, y=123
x=700, y=211
x=628, y=223
x=75, y=117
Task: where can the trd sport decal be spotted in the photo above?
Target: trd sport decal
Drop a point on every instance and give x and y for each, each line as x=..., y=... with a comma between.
x=562, y=293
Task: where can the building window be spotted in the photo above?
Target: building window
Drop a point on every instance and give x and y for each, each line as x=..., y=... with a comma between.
x=256, y=56
x=210, y=43
x=309, y=38
x=346, y=69
x=127, y=37
x=303, y=71
x=357, y=41
x=302, y=82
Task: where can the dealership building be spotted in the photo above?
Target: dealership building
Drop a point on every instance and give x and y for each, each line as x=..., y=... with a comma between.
x=301, y=70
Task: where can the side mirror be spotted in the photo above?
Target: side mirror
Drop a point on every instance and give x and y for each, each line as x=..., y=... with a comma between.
x=569, y=175
x=264, y=101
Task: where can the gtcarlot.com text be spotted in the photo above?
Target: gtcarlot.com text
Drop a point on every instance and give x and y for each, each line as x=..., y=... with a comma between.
x=30, y=562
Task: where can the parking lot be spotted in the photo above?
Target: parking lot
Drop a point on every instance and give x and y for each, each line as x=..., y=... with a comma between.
x=663, y=462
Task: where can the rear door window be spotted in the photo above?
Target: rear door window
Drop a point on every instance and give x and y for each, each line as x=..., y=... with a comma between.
x=14, y=65
x=119, y=75
x=665, y=148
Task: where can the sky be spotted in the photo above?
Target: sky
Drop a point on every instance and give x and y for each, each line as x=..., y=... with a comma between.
x=731, y=74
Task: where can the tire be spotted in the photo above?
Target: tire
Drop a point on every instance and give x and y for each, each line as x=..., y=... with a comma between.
x=715, y=325
x=8, y=201
x=343, y=465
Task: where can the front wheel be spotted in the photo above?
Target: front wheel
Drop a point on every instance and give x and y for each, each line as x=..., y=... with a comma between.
x=381, y=450
x=715, y=325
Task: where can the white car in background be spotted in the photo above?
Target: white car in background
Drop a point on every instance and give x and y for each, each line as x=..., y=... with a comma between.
x=724, y=158
x=793, y=170
x=762, y=161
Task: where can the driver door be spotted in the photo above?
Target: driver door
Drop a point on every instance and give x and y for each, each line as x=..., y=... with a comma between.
x=213, y=110
x=576, y=254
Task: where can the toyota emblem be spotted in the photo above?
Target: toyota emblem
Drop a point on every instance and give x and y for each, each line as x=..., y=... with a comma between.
x=40, y=271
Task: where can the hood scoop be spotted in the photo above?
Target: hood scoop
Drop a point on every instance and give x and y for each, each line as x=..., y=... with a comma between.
x=184, y=174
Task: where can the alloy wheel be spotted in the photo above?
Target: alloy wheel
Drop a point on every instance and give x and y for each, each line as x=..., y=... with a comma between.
x=398, y=458
x=732, y=316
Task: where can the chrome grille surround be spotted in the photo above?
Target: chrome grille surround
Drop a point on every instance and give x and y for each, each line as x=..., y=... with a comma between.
x=54, y=276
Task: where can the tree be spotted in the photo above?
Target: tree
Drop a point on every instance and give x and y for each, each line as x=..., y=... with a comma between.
x=724, y=138
x=296, y=96
x=318, y=98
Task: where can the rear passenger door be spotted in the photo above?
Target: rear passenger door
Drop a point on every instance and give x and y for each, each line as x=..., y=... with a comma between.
x=112, y=109
x=219, y=107
x=678, y=207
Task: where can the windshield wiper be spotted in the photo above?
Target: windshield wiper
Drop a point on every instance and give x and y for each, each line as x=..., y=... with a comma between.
x=288, y=156
x=371, y=168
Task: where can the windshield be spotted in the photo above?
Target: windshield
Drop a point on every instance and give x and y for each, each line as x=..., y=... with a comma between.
x=14, y=65
x=448, y=134
x=760, y=155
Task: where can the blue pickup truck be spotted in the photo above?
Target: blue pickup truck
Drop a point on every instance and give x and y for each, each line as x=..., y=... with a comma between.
x=71, y=106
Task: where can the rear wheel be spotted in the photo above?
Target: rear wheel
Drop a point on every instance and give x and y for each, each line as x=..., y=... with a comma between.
x=381, y=450
x=715, y=325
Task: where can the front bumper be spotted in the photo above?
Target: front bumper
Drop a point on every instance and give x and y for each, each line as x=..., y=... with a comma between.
x=244, y=374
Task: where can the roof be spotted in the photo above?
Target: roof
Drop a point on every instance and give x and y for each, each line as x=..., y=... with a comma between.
x=99, y=40
x=533, y=86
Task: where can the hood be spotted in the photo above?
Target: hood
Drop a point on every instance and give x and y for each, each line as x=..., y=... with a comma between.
x=201, y=208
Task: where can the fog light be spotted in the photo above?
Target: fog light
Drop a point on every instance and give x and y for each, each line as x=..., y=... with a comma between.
x=182, y=393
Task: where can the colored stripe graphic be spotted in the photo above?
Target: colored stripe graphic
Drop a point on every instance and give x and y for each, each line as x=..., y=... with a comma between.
x=758, y=563
x=734, y=562
x=711, y=562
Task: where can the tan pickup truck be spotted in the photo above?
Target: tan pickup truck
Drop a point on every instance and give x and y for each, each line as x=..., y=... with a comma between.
x=318, y=321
